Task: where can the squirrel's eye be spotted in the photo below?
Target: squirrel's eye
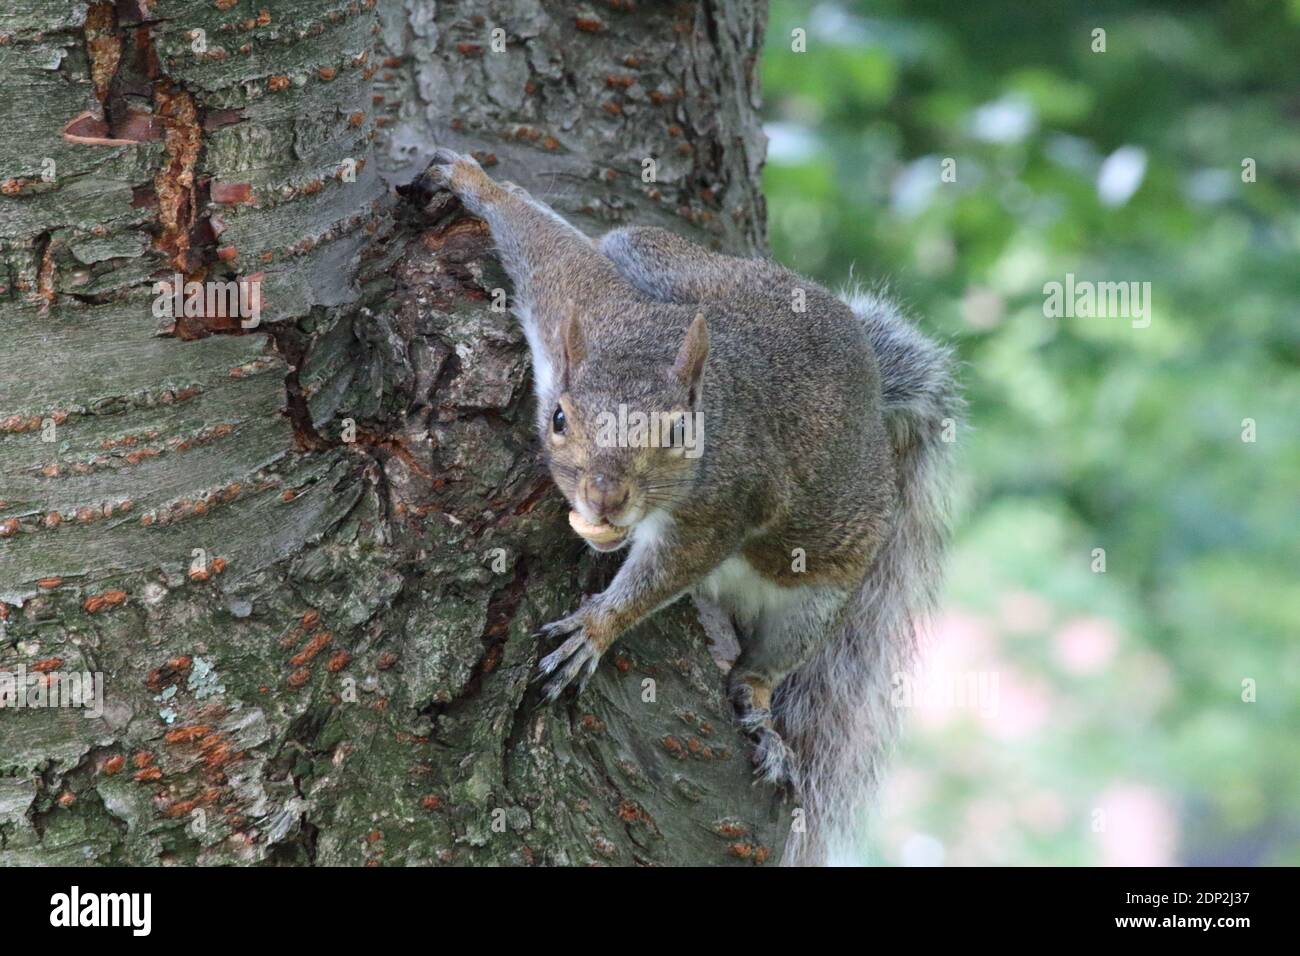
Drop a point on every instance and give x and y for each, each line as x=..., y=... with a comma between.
x=558, y=421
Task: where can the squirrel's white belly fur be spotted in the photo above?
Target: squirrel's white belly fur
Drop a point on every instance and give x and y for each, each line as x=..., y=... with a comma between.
x=734, y=585
x=742, y=591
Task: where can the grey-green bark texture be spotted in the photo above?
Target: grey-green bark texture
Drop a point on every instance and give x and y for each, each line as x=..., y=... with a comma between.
x=307, y=557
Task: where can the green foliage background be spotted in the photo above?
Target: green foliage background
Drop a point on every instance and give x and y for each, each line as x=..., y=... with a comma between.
x=1118, y=732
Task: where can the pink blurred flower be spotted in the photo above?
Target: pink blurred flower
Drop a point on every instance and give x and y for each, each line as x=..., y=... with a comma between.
x=1023, y=705
x=954, y=678
x=954, y=638
x=1086, y=645
x=1138, y=827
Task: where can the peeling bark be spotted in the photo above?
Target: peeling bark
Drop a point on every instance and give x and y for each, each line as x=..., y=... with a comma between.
x=307, y=557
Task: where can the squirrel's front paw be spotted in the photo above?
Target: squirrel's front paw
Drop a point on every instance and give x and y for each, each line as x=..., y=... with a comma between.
x=577, y=658
x=456, y=172
x=447, y=164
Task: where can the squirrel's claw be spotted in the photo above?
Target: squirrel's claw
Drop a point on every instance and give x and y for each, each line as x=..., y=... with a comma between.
x=774, y=761
x=445, y=156
x=441, y=165
x=439, y=175
x=576, y=659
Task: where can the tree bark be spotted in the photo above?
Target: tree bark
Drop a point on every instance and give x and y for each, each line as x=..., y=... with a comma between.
x=307, y=558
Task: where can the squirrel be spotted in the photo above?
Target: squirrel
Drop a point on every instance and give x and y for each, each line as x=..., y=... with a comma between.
x=800, y=484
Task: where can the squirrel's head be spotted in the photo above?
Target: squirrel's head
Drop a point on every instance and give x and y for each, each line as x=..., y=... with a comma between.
x=623, y=427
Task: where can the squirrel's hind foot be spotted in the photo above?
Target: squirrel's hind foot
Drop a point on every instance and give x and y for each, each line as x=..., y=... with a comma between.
x=774, y=762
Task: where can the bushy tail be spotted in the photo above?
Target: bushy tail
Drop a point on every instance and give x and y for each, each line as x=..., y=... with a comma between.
x=836, y=711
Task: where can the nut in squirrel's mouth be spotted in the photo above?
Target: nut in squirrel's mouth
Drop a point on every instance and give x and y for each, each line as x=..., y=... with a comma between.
x=602, y=537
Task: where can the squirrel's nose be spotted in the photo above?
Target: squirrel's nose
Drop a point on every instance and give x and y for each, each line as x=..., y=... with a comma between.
x=605, y=494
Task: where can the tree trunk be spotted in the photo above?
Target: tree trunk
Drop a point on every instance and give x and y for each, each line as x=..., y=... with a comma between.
x=307, y=557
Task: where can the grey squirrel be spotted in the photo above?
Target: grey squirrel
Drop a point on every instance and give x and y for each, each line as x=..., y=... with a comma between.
x=812, y=508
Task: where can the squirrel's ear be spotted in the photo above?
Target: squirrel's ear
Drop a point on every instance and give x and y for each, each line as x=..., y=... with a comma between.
x=573, y=346
x=689, y=366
